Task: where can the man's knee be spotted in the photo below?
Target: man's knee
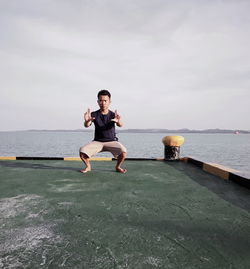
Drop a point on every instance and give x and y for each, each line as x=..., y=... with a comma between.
x=123, y=154
x=83, y=155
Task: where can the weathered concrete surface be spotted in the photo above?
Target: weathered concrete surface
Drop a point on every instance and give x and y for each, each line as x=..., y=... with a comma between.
x=157, y=215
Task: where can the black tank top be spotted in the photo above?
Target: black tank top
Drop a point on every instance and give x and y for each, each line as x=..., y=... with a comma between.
x=104, y=127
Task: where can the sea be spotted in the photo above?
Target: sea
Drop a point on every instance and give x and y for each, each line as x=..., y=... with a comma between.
x=231, y=150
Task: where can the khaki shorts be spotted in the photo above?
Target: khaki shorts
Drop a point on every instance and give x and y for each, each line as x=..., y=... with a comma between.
x=93, y=147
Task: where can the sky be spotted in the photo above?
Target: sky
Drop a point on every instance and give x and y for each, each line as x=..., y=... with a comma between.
x=168, y=64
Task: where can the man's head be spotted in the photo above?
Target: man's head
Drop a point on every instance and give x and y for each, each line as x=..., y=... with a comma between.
x=104, y=99
x=104, y=92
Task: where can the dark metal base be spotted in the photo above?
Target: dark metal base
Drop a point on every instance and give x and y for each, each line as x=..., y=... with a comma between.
x=171, y=153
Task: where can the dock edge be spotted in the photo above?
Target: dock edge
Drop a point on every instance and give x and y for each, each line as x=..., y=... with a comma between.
x=221, y=171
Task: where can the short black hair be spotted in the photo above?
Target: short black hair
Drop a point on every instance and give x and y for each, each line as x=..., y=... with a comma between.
x=103, y=92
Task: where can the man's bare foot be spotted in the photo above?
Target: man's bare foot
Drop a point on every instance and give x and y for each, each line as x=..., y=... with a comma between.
x=85, y=170
x=121, y=170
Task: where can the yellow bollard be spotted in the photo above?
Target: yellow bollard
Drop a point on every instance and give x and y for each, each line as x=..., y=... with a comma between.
x=172, y=147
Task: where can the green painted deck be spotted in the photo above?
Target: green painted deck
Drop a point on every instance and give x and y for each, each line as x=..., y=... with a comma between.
x=157, y=215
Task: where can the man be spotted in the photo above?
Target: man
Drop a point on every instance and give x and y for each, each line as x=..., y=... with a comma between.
x=105, y=138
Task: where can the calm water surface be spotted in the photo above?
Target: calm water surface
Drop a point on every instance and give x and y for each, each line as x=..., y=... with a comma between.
x=227, y=149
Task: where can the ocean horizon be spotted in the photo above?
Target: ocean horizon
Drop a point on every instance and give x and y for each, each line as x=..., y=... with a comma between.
x=145, y=130
x=226, y=149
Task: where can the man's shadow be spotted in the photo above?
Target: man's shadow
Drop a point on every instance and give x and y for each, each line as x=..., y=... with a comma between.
x=12, y=164
x=25, y=165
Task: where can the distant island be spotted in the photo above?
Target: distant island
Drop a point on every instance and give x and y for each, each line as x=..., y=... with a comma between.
x=179, y=131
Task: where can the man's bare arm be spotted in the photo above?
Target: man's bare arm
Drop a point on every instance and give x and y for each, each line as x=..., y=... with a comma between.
x=117, y=119
x=87, y=118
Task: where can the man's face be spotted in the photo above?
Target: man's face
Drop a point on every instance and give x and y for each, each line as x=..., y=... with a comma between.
x=103, y=102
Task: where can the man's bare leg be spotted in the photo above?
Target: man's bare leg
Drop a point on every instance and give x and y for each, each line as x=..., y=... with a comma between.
x=120, y=160
x=86, y=161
